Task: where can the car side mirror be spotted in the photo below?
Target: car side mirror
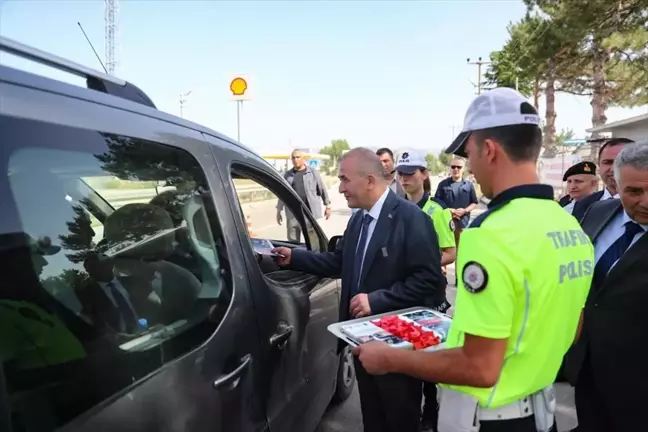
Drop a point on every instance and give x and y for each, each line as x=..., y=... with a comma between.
x=333, y=243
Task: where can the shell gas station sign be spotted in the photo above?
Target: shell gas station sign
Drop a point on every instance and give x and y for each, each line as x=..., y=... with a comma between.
x=239, y=87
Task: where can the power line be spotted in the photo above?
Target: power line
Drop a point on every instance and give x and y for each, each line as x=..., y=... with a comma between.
x=479, y=63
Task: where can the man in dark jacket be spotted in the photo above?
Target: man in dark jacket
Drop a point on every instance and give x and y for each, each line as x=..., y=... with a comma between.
x=389, y=260
x=310, y=187
x=608, y=152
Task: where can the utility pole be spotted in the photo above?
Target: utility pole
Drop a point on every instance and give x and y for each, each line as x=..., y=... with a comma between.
x=183, y=101
x=479, y=63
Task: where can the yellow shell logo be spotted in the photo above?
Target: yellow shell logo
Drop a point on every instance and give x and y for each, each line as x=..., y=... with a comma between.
x=238, y=86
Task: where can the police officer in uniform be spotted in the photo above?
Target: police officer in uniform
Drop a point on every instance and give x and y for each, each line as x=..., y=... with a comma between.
x=581, y=182
x=413, y=174
x=525, y=268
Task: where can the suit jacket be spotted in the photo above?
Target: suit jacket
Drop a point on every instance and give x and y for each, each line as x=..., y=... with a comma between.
x=581, y=206
x=402, y=264
x=564, y=200
x=102, y=312
x=615, y=323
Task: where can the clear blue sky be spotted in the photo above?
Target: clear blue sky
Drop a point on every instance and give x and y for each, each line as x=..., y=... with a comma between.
x=378, y=73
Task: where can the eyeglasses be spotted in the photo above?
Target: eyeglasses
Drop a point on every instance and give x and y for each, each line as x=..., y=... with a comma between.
x=456, y=166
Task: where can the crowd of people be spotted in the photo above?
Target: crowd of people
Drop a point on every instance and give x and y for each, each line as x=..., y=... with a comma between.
x=546, y=291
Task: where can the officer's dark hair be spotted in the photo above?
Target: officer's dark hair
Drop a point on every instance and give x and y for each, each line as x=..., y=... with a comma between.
x=381, y=151
x=613, y=142
x=522, y=143
x=427, y=185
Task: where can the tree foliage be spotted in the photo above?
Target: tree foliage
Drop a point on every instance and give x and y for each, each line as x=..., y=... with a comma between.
x=335, y=151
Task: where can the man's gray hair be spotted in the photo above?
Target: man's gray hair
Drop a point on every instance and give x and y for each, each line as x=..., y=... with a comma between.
x=634, y=155
x=367, y=162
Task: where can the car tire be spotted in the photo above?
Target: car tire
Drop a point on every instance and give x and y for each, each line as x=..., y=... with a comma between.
x=345, y=377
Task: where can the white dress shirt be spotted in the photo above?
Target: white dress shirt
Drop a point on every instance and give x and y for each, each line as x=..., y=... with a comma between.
x=374, y=212
x=569, y=208
x=607, y=195
x=610, y=234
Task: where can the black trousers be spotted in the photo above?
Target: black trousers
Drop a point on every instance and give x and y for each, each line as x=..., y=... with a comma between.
x=604, y=409
x=526, y=424
x=431, y=404
x=389, y=403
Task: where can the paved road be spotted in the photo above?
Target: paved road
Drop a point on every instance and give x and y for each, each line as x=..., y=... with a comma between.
x=346, y=417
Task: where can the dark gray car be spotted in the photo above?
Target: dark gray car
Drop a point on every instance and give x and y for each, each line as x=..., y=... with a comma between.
x=131, y=296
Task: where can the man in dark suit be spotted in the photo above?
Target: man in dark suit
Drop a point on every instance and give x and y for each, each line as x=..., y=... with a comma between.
x=389, y=260
x=607, y=153
x=116, y=303
x=607, y=365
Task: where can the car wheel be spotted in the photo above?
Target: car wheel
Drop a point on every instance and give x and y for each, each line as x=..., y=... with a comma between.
x=345, y=377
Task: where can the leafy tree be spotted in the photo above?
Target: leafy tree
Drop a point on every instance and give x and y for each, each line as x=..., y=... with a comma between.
x=79, y=241
x=444, y=159
x=335, y=151
x=433, y=165
x=609, y=40
x=563, y=136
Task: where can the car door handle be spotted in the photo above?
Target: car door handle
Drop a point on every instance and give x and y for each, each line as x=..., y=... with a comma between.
x=232, y=379
x=280, y=339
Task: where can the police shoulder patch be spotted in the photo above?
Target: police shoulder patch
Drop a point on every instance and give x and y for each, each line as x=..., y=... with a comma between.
x=475, y=277
x=451, y=225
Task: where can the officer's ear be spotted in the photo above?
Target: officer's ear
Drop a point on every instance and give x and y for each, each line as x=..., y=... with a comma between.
x=490, y=151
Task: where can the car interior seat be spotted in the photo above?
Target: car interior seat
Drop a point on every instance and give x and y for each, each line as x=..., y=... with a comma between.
x=201, y=238
x=140, y=237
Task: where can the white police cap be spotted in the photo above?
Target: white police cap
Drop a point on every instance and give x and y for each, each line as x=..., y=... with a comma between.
x=410, y=161
x=495, y=108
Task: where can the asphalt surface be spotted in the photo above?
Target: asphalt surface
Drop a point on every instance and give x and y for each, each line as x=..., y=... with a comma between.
x=347, y=417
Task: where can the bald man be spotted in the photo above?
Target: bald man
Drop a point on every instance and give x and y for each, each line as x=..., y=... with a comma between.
x=389, y=259
x=310, y=187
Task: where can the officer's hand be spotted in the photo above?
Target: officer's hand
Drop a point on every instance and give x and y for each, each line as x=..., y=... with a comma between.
x=279, y=218
x=283, y=255
x=359, y=306
x=374, y=357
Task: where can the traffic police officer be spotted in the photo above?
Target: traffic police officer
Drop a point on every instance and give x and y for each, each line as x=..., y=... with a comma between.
x=413, y=174
x=581, y=182
x=412, y=170
x=525, y=271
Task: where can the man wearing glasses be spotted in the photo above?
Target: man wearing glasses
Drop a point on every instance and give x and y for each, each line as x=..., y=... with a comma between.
x=458, y=195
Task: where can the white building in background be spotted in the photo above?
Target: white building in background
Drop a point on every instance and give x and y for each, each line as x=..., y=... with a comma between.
x=635, y=128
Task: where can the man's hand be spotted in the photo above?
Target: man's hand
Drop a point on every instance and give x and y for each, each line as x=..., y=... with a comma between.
x=279, y=218
x=359, y=306
x=327, y=213
x=283, y=257
x=374, y=357
x=460, y=212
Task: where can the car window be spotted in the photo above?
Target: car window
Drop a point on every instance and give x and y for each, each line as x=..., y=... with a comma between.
x=123, y=269
x=267, y=211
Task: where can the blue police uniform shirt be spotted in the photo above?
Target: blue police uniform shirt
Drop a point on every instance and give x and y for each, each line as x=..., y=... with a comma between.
x=457, y=194
x=612, y=232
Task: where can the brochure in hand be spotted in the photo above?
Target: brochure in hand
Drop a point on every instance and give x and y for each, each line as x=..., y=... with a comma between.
x=263, y=247
x=415, y=328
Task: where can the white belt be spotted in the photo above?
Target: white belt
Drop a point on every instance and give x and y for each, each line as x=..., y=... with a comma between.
x=519, y=409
